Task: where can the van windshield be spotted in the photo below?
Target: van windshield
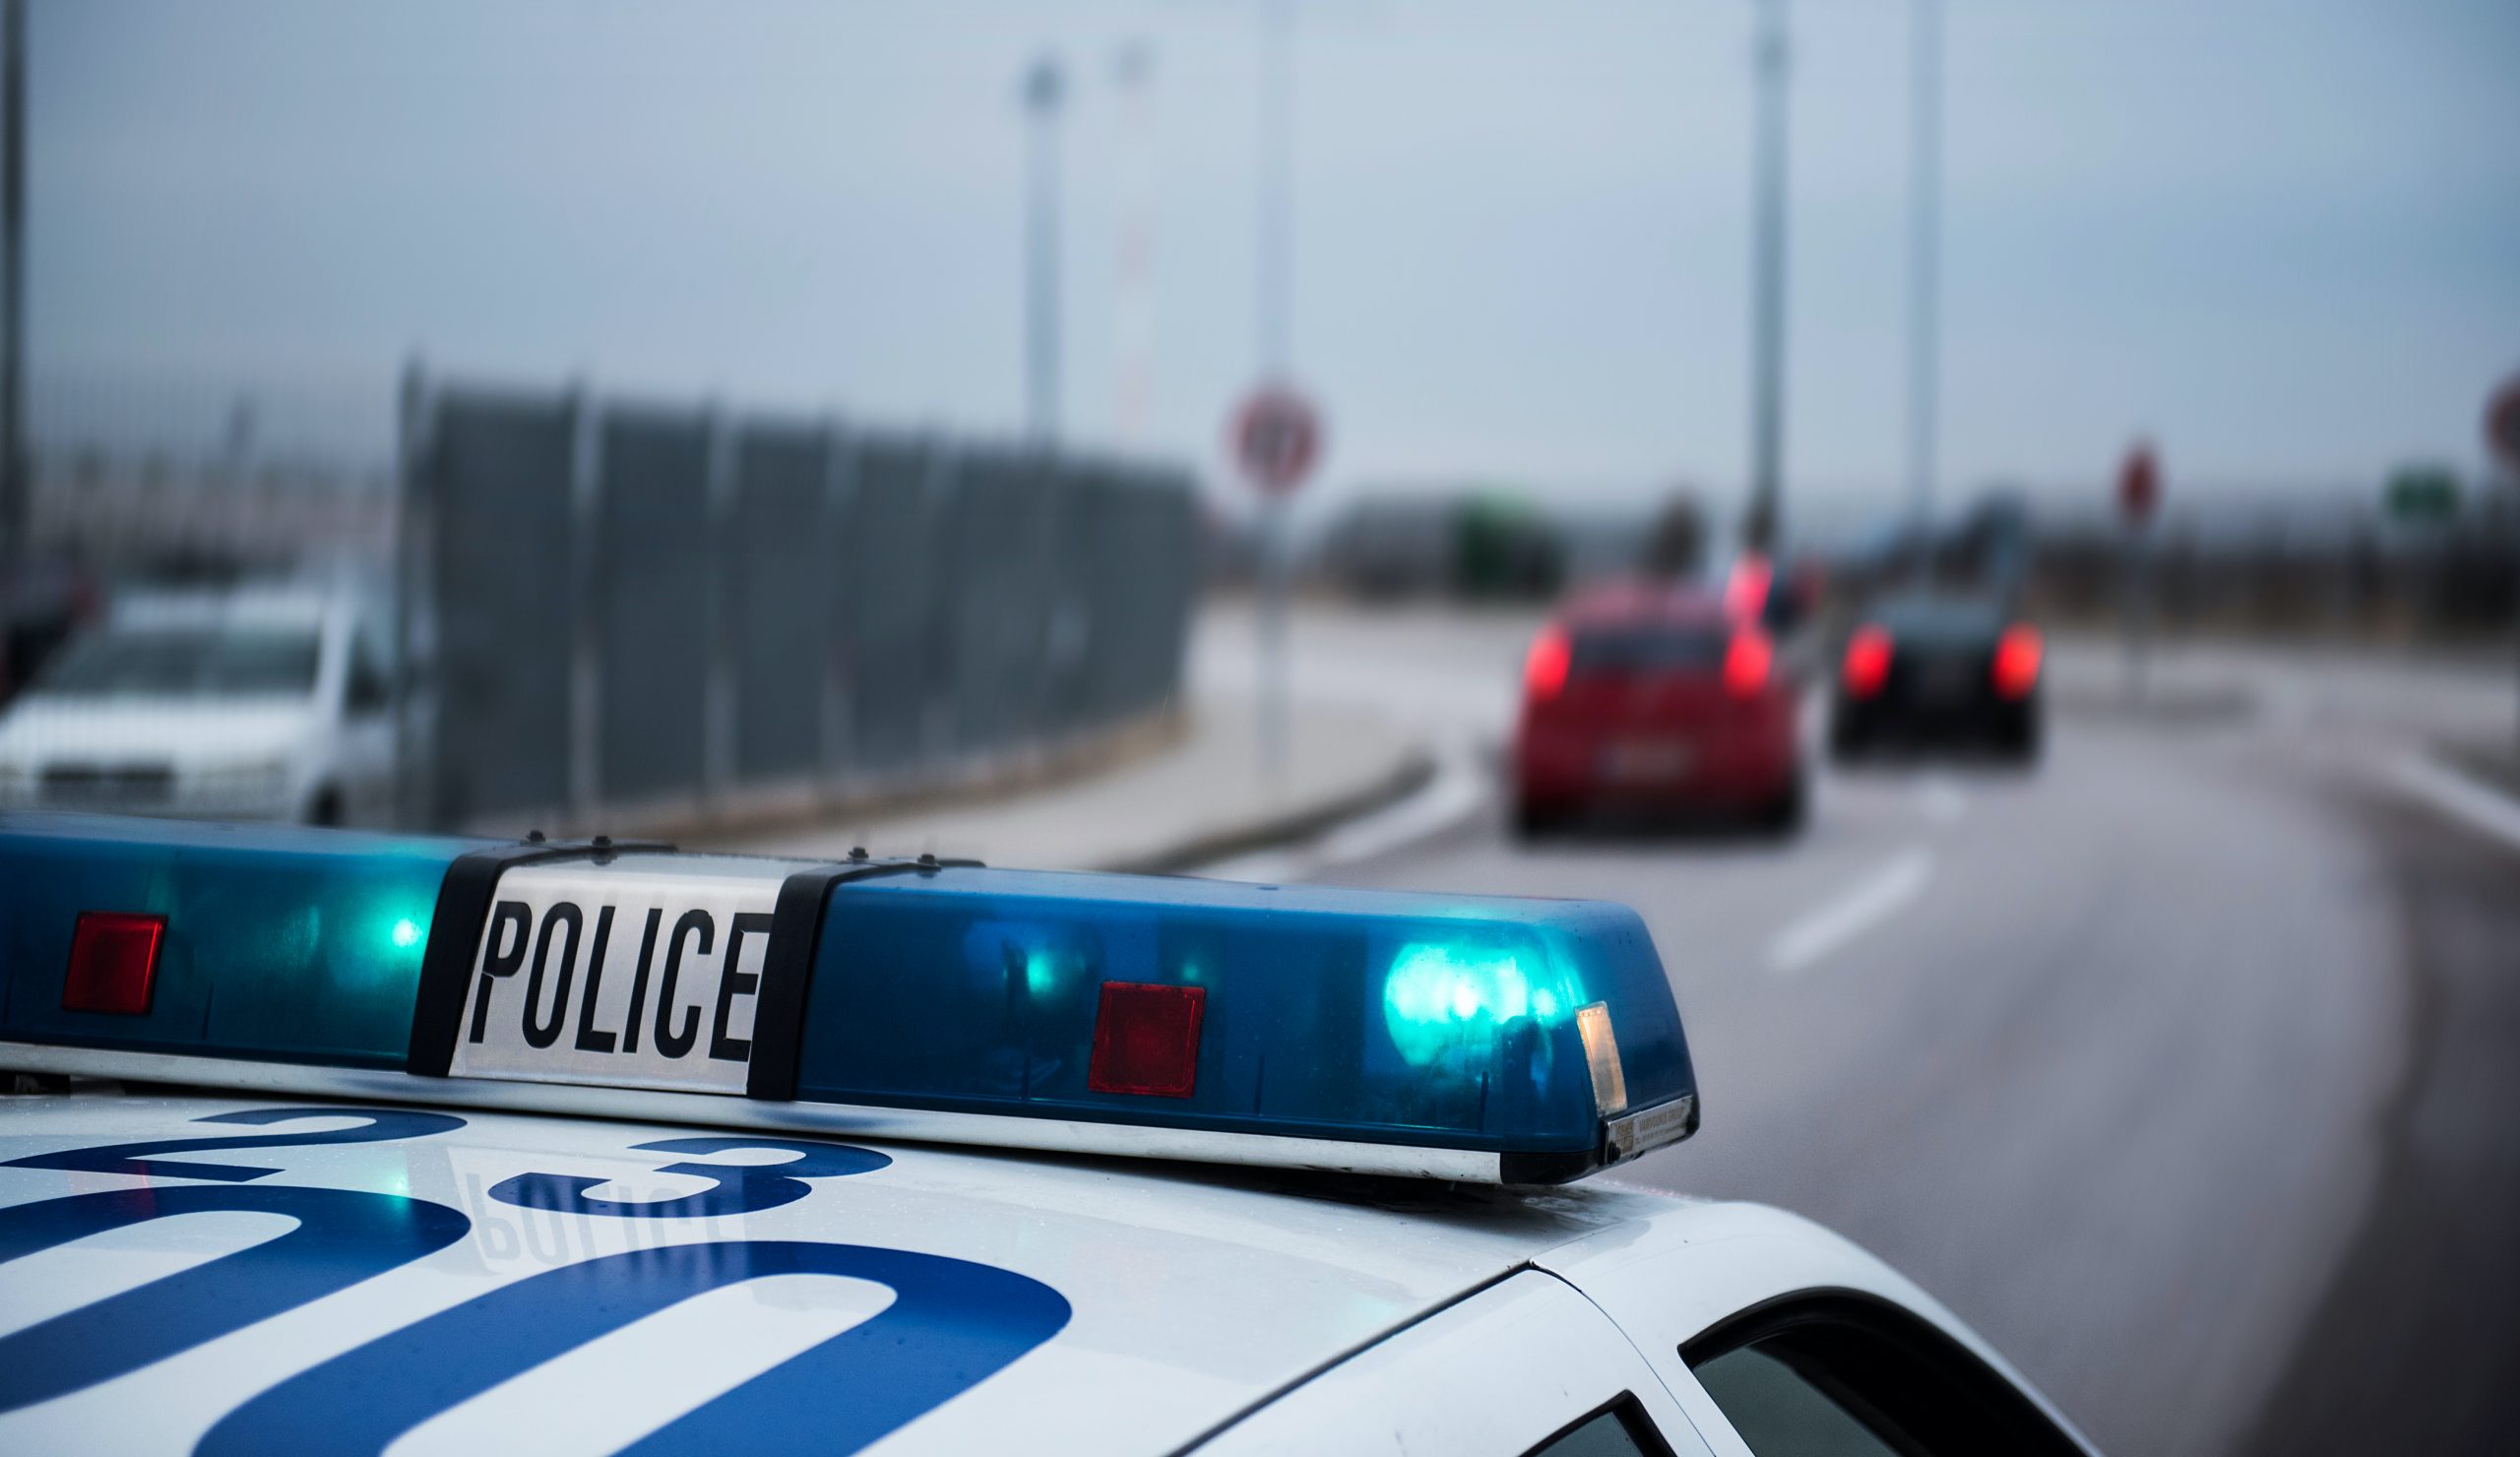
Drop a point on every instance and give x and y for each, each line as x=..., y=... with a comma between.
x=186, y=662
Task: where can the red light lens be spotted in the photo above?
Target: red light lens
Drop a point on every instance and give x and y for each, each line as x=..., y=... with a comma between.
x=1146, y=1040
x=1867, y=665
x=113, y=963
x=2017, y=662
x=1745, y=663
x=1545, y=669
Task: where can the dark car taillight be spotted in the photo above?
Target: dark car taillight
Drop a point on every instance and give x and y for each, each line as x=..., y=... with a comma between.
x=1867, y=662
x=2016, y=668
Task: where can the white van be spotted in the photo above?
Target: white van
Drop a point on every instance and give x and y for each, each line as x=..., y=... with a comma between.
x=261, y=702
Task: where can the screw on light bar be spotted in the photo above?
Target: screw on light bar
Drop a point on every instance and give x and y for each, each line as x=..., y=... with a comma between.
x=1510, y=1040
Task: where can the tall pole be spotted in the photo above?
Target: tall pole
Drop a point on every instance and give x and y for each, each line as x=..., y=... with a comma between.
x=15, y=509
x=1924, y=264
x=1764, y=521
x=1276, y=188
x=1044, y=90
x=1134, y=389
x=1274, y=296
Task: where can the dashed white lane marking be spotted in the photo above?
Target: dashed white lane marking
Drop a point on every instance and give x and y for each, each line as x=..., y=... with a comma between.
x=1834, y=924
x=2473, y=804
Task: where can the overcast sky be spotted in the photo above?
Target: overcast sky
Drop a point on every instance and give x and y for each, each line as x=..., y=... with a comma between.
x=2283, y=236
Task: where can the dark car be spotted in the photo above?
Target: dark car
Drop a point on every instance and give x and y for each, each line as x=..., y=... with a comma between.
x=1655, y=699
x=1934, y=669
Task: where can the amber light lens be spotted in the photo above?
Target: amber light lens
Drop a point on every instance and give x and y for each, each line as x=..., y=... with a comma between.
x=2017, y=654
x=1544, y=669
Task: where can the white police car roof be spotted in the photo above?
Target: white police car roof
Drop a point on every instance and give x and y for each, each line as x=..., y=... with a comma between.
x=1166, y=1300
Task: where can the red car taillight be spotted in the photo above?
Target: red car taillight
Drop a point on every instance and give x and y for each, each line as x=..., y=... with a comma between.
x=2017, y=661
x=1867, y=663
x=1745, y=664
x=1544, y=669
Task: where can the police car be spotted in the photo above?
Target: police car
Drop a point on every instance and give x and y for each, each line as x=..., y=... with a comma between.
x=330, y=1142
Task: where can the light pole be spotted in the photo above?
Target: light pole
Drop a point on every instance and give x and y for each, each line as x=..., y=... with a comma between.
x=1134, y=389
x=1276, y=201
x=1044, y=90
x=1764, y=520
x=15, y=508
x=1925, y=263
x=1273, y=295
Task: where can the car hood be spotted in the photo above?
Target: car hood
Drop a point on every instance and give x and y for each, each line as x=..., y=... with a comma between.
x=187, y=732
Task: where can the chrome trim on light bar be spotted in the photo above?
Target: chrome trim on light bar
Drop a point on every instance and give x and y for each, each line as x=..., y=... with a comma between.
x=1647, y=1129
x=916, y=1125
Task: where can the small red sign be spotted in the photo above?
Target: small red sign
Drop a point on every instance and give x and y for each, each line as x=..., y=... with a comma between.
x=2139, y=484
x=1276, y=437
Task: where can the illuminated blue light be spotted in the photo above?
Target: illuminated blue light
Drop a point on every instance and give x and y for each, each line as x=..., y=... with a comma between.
x=1449, y=1000
x=406, y=934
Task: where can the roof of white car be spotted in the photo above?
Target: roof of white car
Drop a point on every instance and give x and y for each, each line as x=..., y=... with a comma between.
x=1186, y=1294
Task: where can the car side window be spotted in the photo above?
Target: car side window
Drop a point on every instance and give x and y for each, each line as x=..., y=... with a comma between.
x=1841, y=1374
x=371, y=690
x=1780, y=1412
x=1619, y=1429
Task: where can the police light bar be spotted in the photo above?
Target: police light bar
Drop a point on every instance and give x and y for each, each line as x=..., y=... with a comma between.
x=1486, y=1040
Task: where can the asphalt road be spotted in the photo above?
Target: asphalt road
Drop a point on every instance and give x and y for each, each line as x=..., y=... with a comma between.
x=2184, y=1067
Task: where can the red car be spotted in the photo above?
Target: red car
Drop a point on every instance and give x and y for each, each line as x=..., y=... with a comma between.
x=1656, y=699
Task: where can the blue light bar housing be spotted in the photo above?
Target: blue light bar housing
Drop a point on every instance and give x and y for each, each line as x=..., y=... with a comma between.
x=1446, y=1021
x=1539, y=1035
x=284, y=944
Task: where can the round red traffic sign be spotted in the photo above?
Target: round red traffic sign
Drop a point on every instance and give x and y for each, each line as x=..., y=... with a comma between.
x=2139, y=483
x=1276, y=437
x=2502, y=425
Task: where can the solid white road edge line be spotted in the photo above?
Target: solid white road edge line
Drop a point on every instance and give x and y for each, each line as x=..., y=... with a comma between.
x=1870, y=901
x=2485, y=810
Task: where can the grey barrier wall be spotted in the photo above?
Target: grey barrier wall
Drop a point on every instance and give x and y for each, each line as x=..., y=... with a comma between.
x=629, y=615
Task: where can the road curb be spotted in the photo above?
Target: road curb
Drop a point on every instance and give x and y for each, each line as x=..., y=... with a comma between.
x=1284, y=826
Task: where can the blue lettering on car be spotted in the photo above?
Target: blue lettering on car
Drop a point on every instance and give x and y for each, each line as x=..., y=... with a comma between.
x=739, y=1189
x=952, y=1324
x=342, y=1238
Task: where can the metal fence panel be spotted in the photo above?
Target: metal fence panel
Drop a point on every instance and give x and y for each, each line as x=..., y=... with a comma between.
x=638, y=609
x=494, y=486
x=778, y=580
x=898, y=652
x=1001, y=605
x=652, y=570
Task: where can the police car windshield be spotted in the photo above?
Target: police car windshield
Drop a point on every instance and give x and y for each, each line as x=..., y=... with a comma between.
x=1658, y=647
x=186, y=662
